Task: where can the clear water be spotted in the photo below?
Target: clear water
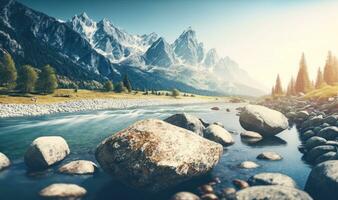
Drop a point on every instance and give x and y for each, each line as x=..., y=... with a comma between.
x=84, y=131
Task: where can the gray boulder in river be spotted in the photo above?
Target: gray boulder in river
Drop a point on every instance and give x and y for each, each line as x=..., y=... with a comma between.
x=63, y=191
x=322, y=182
x=187, y=121
x=272, y=179
x=272, y=192
x=4, y=161
x=46, y=151
x=152, y=155
x=263, y=120
x=218, y=134
x=329, y=133
x=78, y=167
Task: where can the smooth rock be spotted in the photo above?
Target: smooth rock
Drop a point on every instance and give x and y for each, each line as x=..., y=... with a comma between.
x=241, y=184
x=4, y=161
x=263, y=120
x=329, y=133
x=186, y=121
x=302, y=115
x=229, y=193
x=322, y=183
x=64, y=191
x=206, y=189
x=209, y=196
x=46, y=151
x=332, y=119
x=251, y=134
x=307, y=134
x=185, y=196
x=272, y=179
x=78, y=167
x=152, y=155
x=317, y=151
x=218, y=134
x=269, y=156
x=326, y=156
x=248, y=165
x=272, y=192
x=314, y=141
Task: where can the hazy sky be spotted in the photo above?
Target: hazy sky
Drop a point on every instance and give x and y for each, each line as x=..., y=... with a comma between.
x=264, y=37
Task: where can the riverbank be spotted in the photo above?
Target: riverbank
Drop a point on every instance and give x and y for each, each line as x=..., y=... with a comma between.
x=21, y=110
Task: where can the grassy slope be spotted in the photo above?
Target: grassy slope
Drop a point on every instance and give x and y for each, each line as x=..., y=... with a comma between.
x=323, y=93
x=63, y=95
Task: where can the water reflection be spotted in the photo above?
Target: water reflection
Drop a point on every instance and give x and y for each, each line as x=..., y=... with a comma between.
x=268, y=141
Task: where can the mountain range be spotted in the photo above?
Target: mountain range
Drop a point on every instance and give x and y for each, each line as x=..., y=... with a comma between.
x=88, y=53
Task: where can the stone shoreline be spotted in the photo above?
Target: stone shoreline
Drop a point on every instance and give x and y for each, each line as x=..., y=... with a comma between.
x=22, y=110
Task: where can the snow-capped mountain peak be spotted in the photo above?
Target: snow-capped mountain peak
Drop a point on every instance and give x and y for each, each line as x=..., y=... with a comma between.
x=84, y=25
x=211, y=58
x=160, y=54
x=187, y=47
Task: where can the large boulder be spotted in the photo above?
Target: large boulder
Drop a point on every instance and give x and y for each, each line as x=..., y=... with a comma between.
x=269, y=155
x=4, y=161
x=78, y=167
x=218, y=134
x=322, y=183
x=272, y=192
x=329, y=133
x=272, y=179
x=63, y=191
x=184, y=196
x=46, y=151
x=152, y=155
x=263, y=120
x=187, y=121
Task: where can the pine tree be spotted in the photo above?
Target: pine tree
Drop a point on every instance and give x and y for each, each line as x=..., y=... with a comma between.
x=47, y=82
x=126, y=83
x=335, y=65
x=27, y=79
x=320, y=79
x=120, y=87
x=291, y=88
x=273, y=91
x=278, y=86
x=8, y=73
x=175, y=93
x=108, y=86
x=303, y=83
x=329, y=70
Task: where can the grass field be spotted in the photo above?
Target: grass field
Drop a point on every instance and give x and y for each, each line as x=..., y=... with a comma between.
x=63, y=95
x=323, y=93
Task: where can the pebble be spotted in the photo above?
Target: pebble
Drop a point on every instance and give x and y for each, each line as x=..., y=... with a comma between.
x=240, y=183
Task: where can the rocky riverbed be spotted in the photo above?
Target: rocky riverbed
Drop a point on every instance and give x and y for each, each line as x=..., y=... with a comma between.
x=156, y=155
x=20, y=110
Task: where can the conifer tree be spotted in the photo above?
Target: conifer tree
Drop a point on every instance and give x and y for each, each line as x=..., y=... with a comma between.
x=273, y=91
x=27, y=79
x=302, y=83
x=291, y=88
x=329, y=70
x=120, y=87
x=320, y=79
x=47, y=82
x=335, y=65
x=108, y=86
x=126, y=83
x=278, y=86
x=8, y=73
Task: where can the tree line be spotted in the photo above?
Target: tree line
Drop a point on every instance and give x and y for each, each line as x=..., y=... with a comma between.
x=27, y=79
x=303, y=84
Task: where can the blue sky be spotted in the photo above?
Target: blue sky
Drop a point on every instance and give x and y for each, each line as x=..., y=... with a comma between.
x=264, y=37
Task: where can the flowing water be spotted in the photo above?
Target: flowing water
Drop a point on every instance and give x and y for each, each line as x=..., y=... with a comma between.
x=84, y=131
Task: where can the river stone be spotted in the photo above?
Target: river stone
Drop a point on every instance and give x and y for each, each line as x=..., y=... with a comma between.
x=272, y=192
x=251, y=135
x=307, y=134
x=152, y=155
x=184, y=196
x=4, y=161
x=248, y=165
x=315, y=152
x=332, y=119
x=218, y=134
x=272, y=179
x=186, y=121
x=326, y=156
x=316, y=120
x=329, y=133
x=263, y=120
x=322, y=183
x=63, y=191
x=78, y=167
x=302, y=114
x=269, y=156
x=46, y=151
x=314, y=141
